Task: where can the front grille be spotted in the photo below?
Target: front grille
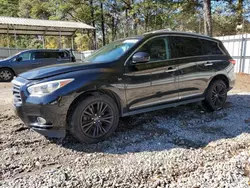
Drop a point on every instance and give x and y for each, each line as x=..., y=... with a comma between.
x=16, y=93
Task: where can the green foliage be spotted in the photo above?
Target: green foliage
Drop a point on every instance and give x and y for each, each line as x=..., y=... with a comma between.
x=9, y=7
x=82, y=42
x=123, y=18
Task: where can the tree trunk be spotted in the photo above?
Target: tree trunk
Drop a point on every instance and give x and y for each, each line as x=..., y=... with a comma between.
x=126, y=22
x=102, y=25
x=93, y=24
x=113, y=28
x=239, y=12
x=207, y=17
x=134, y=21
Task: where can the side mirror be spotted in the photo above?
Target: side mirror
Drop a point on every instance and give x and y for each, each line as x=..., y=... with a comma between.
x=18, y=59
x=140, y=57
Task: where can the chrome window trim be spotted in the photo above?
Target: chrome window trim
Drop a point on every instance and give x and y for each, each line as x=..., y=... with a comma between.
x=179, y=35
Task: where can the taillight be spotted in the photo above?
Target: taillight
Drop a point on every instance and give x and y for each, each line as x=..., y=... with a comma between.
x=232, y=61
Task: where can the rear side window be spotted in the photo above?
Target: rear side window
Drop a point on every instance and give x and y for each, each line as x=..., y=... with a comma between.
x=51, y=55
x=186, y=47
x=38, y=55
x=211, y=47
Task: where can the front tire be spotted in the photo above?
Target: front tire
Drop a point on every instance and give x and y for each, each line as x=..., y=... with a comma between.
x=216, y=95
x=94, y=119
x=6, y=75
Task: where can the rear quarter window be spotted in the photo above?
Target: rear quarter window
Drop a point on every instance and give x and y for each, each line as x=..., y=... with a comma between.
x=211, y=47
x=63, y=55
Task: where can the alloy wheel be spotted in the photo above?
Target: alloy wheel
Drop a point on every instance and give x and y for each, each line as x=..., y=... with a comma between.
x=219, y=94
x=5, y=75
x=97, y=119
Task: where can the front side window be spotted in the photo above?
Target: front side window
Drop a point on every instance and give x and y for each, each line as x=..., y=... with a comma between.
x=211, y=47
x=186, y=46
x=158, y=49
x=26, y=56
x=112, y=51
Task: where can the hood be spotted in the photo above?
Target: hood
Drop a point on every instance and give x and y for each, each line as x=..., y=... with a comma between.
x=53, y=70
x=2, y=60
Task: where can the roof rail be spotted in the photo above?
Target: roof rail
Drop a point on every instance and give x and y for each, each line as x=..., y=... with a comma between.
x=160, y=30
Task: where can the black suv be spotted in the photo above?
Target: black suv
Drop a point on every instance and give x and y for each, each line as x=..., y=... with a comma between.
x=129, y=76
x=31, y=59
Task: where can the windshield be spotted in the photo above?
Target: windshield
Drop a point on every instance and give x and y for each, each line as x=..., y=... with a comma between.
x=10, y=57
x=112, y=51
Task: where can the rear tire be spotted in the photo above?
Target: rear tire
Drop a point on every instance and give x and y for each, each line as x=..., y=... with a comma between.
x=6, y=75
x=216, y=96
x=94, y=119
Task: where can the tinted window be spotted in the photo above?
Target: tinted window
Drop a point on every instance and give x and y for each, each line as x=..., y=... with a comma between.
x=26, y=56
x=210, y=47
x=63, y=55
x=39, y=55
x=157, y=49
x=186, y=46
x=51, y=55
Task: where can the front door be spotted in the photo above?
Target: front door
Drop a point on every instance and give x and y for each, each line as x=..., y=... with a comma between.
x=25, y=63
x=153, y=82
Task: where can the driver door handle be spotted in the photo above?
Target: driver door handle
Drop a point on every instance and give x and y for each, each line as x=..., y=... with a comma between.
x=171, y=69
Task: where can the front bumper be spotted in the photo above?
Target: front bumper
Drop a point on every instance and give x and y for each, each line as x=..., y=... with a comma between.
x=55, y=125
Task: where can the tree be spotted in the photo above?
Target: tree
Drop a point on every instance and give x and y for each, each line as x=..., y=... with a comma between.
x=207, y=17
x=103, y=24
x=114, y=19
x=9, y=8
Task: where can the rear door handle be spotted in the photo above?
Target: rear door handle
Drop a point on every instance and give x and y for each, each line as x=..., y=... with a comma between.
x=208, y=64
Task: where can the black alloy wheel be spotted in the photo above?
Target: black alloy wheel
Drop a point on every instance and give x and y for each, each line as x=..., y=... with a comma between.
x=219, y=95
x=97, y=119
x=216, y=95
x=94, y=119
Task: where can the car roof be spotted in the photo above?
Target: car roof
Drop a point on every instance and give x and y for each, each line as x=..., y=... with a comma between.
x=167, y=31
x=44, y=50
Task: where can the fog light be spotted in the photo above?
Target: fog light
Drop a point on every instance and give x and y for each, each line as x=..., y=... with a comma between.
x=41, y=120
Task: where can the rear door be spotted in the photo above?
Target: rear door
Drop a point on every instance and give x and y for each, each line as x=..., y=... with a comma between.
x=46, y=58
x=188, y=51
x=215, y=58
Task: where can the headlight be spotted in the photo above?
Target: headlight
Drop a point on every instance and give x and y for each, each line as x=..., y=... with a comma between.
x=47, y=87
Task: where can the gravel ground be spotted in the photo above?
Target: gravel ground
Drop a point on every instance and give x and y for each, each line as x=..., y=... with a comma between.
x=176, y=147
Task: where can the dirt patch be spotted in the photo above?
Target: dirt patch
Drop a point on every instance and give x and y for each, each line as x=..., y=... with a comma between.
x=176, y=147
x=242, y=83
